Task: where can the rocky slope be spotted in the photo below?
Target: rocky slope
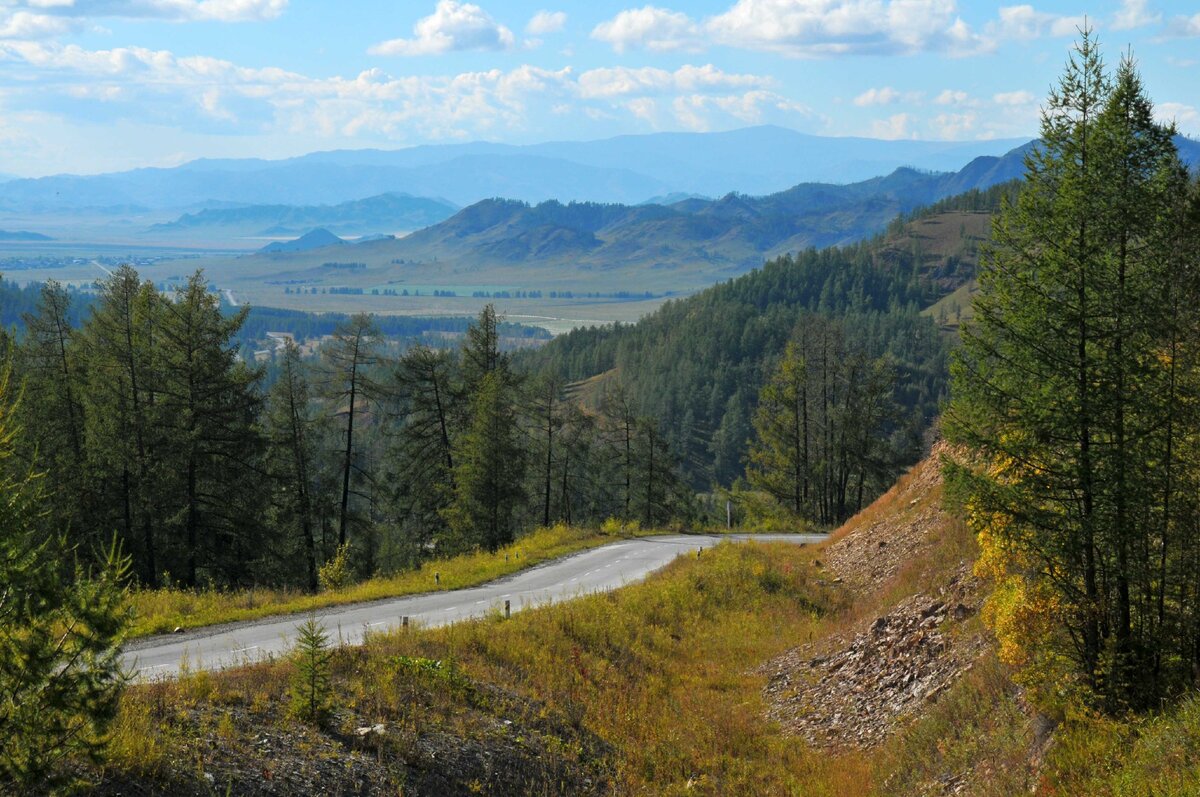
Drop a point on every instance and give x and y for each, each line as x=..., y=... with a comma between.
x=910, y=633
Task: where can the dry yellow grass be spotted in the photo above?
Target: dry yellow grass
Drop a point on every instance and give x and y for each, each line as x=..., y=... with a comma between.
x=163, y=610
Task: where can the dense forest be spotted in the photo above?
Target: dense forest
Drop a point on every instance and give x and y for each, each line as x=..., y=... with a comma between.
x=146, y=421
x=699, y=363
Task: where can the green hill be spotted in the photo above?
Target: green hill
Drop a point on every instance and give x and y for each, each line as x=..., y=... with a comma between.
x=697, y=363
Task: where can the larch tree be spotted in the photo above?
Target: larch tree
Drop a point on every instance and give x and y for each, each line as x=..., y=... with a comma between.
x=1074, y=384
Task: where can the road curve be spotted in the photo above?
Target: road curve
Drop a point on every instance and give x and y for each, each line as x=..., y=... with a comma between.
x=595, y=570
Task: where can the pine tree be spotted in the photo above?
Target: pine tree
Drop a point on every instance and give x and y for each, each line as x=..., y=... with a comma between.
x=209, y=405
x=489, y=470
x=290, y=431
x=52, y=378
x=1069, y=379
x=121, y=413
x=311, y=683
x=60, y=632
x=349, y=384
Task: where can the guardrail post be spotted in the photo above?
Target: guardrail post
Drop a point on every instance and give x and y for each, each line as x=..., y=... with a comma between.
x=507, y=610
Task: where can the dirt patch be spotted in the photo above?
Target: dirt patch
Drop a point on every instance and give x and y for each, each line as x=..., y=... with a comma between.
x=851, y=690
x=873, y=546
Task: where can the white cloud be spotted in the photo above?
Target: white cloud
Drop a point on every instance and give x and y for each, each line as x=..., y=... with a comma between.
x=1134, y=14
x=650, y=28
x=624, y=81
x=896, y=126
x=884, y=96
x=952, y=97
x=1184, y=26
x=1014, y=98
x=1025, y=22
x=1186, y=117
x=452, y=26
x=956, y=126
x=41, y=19
x=201, y=93
x=799, y=28
x=546, y=22
x=26, y=25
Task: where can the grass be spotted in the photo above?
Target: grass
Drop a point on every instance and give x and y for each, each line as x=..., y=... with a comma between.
x=1157, y=756
x=653, y=686
x=163, y=610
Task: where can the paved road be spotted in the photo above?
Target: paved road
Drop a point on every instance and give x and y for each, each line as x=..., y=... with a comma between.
x=595, y=570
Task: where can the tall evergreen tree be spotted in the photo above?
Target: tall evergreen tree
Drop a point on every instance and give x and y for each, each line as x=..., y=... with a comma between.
x=1069, y=379
x=349, y=384
x=121, y=413
x=209, y=406
x=52, y=377
x=290, y=431
x=489, y=471
x=59, y=632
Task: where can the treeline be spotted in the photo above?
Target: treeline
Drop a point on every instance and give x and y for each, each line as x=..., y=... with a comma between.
x=977, y=200
x=147, y=423
x=1078, y=387
x=305, y=326
x=698, y=363
x=821, y=426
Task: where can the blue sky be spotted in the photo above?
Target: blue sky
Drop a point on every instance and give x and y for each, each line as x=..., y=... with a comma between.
x=100, y=85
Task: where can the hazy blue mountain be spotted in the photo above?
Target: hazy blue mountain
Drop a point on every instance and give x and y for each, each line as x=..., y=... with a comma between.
x=386, y=212
x=626, y=169
x=673, y=197
x=22, y=235
x=461, y=180
x=685, y=244
x=315, y=239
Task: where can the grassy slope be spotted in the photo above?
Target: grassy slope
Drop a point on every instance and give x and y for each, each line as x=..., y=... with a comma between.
x=654, y=689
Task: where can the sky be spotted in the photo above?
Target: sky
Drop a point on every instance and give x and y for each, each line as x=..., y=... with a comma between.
x=89, y=86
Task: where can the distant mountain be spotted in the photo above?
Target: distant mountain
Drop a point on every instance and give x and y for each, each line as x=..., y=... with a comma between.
x=383, y=213
x=731, y=234
x=678, y=247
x=672, y=198
x=22, y=235
x=756, y=160
x=315, y=239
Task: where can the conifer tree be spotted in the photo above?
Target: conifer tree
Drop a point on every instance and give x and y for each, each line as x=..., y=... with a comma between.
x=60, y=632
x=290, y=431
x=1069, y=383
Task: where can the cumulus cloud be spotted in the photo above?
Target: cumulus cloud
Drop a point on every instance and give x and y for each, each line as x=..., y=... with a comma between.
x=1134, y=14
x=1185, y=117
x=894, y=127
x=956, y=126
x=884, y=96
x=452, y=26
x=650, y=28
x=799, y=28
x=1184, y=26
x=545, y=22
x=41, y=19
x=1026, y=22
x=624, y=81
x=215, y=94
x=952, y=97
x=1014, y=98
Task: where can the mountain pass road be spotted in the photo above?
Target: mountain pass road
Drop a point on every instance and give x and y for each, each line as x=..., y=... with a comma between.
x=595, y=570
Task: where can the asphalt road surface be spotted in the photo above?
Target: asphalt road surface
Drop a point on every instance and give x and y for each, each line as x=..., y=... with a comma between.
x=595, y=570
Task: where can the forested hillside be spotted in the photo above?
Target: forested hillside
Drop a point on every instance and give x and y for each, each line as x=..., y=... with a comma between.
x=698, y=363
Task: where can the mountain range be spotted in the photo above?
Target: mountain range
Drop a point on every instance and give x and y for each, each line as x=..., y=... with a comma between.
x=393, y=212
x=674, y=247
x=627, y=169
